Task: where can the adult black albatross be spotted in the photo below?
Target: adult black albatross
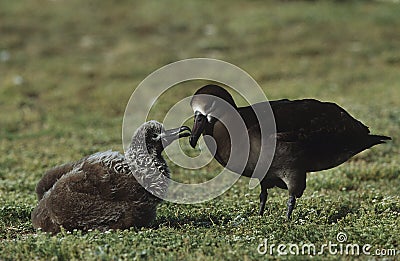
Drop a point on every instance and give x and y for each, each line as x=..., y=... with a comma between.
x=101, y=191
x=310, y=136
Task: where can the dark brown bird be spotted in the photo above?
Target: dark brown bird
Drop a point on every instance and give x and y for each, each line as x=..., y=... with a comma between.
x=310, y=136
x=102, y=191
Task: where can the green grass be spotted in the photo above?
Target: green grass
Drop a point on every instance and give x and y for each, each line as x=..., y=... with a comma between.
x=67, y=69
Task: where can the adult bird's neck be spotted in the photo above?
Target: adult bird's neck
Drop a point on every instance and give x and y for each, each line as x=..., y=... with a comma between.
x=231, y=142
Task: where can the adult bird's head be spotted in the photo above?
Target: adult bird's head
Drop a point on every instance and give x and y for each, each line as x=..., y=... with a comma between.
x=156, y=138
x=209, y=103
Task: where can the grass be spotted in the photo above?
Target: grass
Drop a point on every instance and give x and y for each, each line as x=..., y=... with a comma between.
x=67, y=69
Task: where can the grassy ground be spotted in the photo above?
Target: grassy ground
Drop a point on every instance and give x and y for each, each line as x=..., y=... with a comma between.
x=67, y=69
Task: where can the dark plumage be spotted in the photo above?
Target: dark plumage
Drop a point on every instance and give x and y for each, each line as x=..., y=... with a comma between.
x=102, y=191
x=310, y=136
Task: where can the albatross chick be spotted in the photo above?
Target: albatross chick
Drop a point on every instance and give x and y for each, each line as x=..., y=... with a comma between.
x=108, y=190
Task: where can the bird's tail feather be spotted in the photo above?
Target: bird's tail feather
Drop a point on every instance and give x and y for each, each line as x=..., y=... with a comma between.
x=378, y=139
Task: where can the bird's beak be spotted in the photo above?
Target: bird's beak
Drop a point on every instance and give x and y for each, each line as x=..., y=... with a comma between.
x=169, y=136
x=199, y=124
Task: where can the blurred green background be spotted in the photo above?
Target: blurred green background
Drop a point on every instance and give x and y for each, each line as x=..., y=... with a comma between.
x=68, y=68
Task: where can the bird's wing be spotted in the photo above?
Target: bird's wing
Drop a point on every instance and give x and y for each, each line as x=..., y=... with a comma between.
x=97, y=191
x=313, y=121
x=110, y=159
x=103, y=174
x=306, y=120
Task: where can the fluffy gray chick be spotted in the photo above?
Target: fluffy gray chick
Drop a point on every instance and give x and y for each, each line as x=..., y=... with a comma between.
x=108, y=190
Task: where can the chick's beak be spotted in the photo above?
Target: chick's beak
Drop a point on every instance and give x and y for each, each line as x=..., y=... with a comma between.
x=169, y=136
x=199, y=124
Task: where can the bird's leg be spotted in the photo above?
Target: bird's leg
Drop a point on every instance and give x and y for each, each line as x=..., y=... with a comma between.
x=263, y=199
x=296, y=183
x=290, y=204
